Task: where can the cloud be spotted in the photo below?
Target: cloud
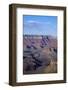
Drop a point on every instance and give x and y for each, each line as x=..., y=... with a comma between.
x=35, y=24
x=32, y=24
x=34, y=21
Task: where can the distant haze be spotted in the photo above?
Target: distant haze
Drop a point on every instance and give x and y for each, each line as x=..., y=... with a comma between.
x=40, y=25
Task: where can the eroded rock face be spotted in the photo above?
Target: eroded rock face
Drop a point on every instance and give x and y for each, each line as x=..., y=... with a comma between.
x=38, y=53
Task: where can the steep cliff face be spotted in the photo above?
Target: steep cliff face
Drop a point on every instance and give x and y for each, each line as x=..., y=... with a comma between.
x=38, y=53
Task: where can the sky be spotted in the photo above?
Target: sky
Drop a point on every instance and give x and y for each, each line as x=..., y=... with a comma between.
x=40, y=25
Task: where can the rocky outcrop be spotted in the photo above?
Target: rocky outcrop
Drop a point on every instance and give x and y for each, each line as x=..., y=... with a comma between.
x=39, y=52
